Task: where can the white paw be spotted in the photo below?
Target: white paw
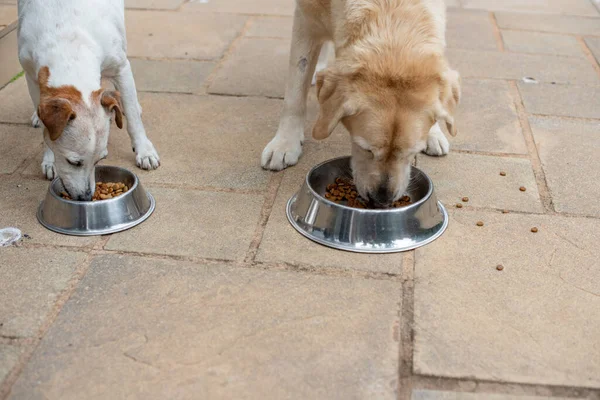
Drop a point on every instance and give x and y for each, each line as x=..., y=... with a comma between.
x=146, y=156
x=35, y=120
x=49, y=170
x=437, y=143
x=281, y=153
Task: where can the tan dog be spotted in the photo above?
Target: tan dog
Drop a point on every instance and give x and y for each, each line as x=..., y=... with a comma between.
x=389, y=86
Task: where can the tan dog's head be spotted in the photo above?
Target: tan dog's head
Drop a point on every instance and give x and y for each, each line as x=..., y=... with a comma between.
x=388, y=119
x=76, y=132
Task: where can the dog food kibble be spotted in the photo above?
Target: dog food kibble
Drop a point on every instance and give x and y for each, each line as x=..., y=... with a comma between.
x=343, y=190
x=499, y=267
x=479, y=223
x=459, y=205
x=505, y=211
x=522, y=188
x=465, y=199
x=104, y=191
x=502, y=173
x=534, y=229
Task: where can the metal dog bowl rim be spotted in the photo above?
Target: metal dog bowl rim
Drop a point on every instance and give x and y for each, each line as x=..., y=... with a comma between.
x=107, y=231
x=360, y=210
x=340, y=246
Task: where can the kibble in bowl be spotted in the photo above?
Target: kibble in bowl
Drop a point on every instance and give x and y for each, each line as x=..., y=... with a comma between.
x=129, y=205
x=104, y=191
x=343, y=191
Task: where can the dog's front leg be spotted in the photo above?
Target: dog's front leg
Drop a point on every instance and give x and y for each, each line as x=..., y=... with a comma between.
x=146, y=156
x=286, y=147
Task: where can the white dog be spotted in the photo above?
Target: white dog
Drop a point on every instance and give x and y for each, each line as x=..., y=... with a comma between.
x=65, y=48
x=389, y=86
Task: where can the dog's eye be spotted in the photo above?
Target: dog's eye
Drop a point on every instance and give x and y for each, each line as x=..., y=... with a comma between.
x=77, y=163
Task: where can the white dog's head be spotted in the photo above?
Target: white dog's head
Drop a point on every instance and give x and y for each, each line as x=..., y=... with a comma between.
x=77, y=132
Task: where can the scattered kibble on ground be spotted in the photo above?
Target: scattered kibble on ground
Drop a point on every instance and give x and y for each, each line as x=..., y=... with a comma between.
x=459, y=205
x=534, y=229
x=465, y=199
x=505, y=211
x=502, y=173
x=522, y=188
x=479, y=223
x=499, y=267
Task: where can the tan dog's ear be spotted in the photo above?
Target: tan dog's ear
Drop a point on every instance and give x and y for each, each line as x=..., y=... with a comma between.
x=334, y=105
x=450, y=93
x=56, y=113
x=112, y=101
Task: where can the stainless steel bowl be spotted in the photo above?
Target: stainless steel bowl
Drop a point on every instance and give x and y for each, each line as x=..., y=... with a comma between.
x=365, y=231
x=87, y=218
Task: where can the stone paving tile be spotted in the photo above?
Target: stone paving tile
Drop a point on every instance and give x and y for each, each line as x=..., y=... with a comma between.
x=281, y=243
x=569, y=153
x=469, y=29
x=170, y=76
x=441, y=395
x=10, y=66
x=19, y=143
x=273, y=27
x=562, y=7
x=202, y=140
x=156, y=329
x=541, y=43
x=15, y=103
x=257, y=67
x=544, y=68
x=563, y=100
x=514, y=325
x=486, y=119
x=594, y=45
x=9, y=356
x=8, y=14
x=478, y=178
x=194, y=223
x=190, y=35
x=32, y=279
x=262, y=7
x=154, y=4
x=549, y=23
x=19, y=209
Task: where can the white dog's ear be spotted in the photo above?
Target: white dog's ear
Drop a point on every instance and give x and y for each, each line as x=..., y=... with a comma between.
x=56, y=113
x=333, y=105
x=112, y=100
x=450, y=93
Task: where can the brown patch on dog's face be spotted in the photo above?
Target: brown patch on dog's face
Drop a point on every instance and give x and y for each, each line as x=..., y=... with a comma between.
x=389, y=119
x=76, y=132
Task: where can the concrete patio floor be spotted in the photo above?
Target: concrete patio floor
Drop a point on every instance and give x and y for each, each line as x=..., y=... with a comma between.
x=217, y=297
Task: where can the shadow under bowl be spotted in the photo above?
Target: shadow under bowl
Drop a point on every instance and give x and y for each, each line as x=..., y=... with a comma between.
x=365, y=230
x=89, y=218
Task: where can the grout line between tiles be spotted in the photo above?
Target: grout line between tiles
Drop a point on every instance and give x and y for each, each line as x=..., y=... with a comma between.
x=536, y=162
x=265, y=213
x=497, y=33
x=589, y=54
x=210, y=78
x=406, y=334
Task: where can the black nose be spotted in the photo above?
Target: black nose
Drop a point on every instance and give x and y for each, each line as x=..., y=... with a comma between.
x=87, y=196
x=383, y=196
